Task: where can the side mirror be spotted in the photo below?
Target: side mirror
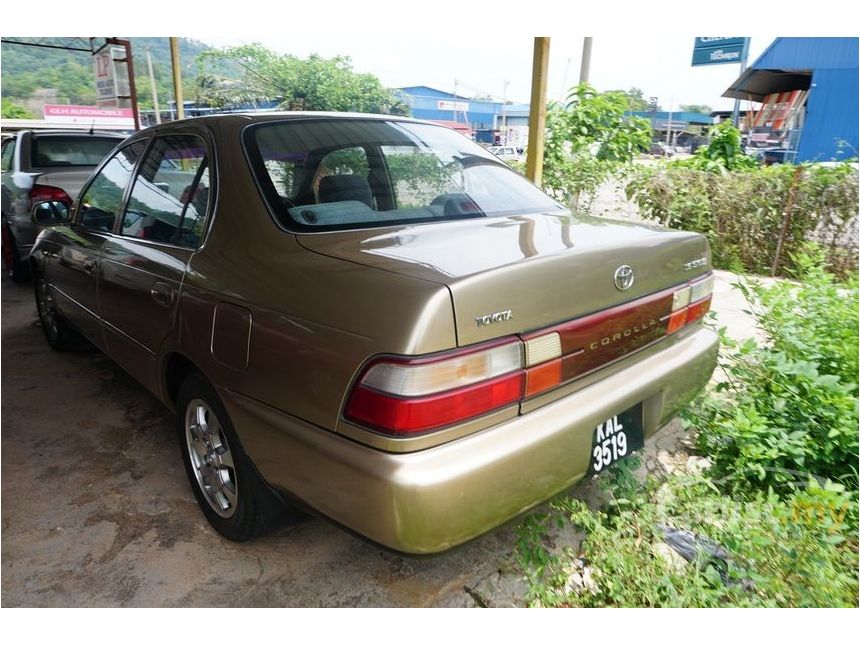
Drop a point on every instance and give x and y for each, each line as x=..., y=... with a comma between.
x=50, y=213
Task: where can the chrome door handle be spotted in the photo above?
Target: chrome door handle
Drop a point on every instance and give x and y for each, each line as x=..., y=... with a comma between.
x=89, y=266
x=162, y=293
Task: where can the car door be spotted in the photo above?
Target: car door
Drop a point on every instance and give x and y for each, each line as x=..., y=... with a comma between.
x=74, y=273
x=144, y=263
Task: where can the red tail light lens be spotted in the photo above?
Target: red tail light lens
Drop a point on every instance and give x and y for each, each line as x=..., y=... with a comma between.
x=406, y=396
x=40, y=193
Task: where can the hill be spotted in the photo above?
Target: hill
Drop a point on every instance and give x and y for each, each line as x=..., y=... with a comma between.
x=26, y=70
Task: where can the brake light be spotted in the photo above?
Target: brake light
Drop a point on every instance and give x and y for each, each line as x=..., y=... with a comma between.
x=406, y=396
x=41, y=193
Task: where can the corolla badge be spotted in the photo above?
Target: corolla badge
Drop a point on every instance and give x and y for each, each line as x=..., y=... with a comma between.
x=623, y=277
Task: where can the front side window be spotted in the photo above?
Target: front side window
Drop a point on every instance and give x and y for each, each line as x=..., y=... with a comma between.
x=101, y=201
x=170, y=194
x=332, y=174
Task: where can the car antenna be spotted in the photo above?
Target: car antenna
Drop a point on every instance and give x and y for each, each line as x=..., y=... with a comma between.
x=92, y=127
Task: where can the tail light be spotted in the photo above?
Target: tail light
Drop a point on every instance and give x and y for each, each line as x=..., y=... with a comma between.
x=404, y=396
x=40, y=193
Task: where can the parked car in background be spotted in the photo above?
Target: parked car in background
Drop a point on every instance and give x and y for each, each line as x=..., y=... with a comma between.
x=506, y=153
x=42, y=166
x=373, y=317
x=660, y=149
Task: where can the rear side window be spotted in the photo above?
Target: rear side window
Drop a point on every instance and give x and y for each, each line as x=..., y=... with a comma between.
x=8, y=150
x=170, y=194
x=101, y=201
x=83, y=150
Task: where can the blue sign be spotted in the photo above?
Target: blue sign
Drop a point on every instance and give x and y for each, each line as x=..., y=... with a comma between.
x=718, y=51
x=706, y=41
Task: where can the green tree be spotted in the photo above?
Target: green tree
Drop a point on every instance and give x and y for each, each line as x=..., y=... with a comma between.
x=586, y=140
x=14, y=111
x=693, y=107
x=636, y=101
x=314, y=83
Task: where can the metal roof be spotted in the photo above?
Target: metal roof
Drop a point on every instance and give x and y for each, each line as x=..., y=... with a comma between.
x=788, y=63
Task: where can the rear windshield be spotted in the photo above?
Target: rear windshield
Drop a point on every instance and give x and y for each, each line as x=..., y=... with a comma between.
x=331, y=174
x=83, y=150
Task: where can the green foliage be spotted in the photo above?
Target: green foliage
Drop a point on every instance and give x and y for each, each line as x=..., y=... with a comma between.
x=14, y=111
x=799, y=551
x=28, y=69
x=314, y=83
x=742, y=212
x=788, y=405
x=588, y=139
x=723, y=153
x=636, y=101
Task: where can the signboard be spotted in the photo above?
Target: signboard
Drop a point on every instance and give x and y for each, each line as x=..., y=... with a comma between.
x=89, y=115
x=717, y=51
x=454, y=106
x=111, y=72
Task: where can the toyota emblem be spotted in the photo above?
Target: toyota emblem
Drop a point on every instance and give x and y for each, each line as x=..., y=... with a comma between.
x=623, y=277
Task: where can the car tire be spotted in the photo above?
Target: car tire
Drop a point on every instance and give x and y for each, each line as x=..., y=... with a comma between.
x=60, y=335
x=232, y=495
x=19, y=271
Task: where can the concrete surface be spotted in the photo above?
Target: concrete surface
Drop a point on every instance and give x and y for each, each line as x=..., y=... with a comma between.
x=97, y=510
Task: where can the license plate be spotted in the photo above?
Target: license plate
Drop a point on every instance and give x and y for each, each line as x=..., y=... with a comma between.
x=616, y=438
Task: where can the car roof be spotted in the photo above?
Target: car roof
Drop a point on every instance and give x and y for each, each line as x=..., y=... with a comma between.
x=78, y=133
x=258, y=117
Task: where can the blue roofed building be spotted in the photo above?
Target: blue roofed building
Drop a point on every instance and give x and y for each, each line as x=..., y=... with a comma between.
x=808, y=91
x=488, y=119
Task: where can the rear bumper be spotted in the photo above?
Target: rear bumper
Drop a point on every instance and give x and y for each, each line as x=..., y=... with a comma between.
x=434, y=499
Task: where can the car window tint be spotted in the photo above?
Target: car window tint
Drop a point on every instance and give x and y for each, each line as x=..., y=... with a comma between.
x=51, y=151
x=172, y=184
x=8, y=150
x=102, y=199
x=418, y=177
x=346, y=161
x=367, y=172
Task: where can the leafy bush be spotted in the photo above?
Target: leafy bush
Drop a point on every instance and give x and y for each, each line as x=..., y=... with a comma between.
x=587, y=140
x=724, y=152
x=789, y=405
x=793, y=552
x=742, y=212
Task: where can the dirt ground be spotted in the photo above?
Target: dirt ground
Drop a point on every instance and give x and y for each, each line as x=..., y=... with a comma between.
x=97, y=511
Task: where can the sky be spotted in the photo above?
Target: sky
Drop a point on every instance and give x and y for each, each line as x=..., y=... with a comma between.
x=482, y=63
x=481, y=44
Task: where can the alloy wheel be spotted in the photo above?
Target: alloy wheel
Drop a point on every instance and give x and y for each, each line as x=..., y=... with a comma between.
x=211, y=459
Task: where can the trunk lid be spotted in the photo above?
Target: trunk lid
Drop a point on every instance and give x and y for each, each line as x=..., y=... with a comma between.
x=510, y=275
x=69, y=179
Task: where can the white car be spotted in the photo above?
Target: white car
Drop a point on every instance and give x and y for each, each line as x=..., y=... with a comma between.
x=505, y=153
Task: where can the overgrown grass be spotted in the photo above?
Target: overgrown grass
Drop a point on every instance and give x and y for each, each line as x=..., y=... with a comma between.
x=780, y=496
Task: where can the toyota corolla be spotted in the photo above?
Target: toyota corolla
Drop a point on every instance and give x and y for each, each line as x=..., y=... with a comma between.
x=372, y=317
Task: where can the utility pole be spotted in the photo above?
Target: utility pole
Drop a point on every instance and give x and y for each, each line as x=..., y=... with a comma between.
x=586, y=60
x=736, y=112
x=504, y=111
x=537, y=110
x=152, y=87
x=669, y=122
x=177, y=77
